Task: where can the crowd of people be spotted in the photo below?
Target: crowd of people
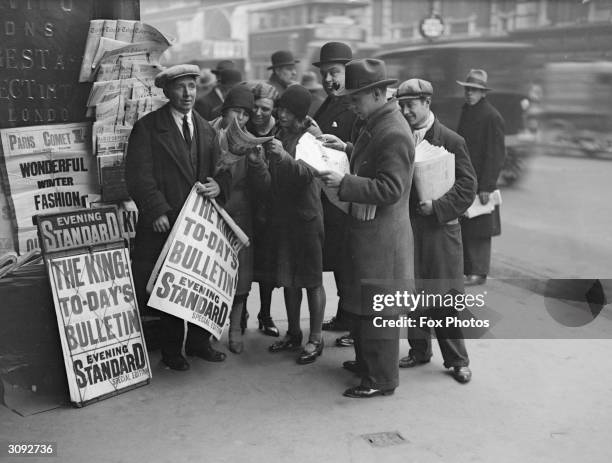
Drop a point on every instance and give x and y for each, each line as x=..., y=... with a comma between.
x=284, y=205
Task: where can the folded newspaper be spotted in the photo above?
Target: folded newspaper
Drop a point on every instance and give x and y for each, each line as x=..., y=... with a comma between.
x=312, y=152
x=477, y=208
x=239, y=141
x=434, y=171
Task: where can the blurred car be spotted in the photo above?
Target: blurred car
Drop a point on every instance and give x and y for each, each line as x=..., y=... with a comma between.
x=443, y=64
x=574, y=116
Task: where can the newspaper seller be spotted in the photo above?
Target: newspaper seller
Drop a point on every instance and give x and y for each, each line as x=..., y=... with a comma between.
x=438, y=253
x=482, y=127
x=169, y=150
x=379, y=239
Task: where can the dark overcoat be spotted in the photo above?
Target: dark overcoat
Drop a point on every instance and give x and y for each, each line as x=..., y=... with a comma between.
x=482, y=127
x=334, y=117
x=438, y=250
x=209, y=106
x=296, y=215
x=159, y=177
x=382, y=165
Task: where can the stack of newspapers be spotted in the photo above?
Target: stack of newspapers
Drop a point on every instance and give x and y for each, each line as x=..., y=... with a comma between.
x=434, y=171
x=121, y=58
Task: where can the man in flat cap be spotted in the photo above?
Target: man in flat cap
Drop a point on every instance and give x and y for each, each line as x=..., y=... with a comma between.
x=378, y=244
x=438, y=253
x=169, y=150
x=482, y=127
x=284, y=72
x=335, y=117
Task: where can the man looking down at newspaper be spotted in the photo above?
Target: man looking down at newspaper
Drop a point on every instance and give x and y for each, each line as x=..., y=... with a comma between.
x=438, y=252
x=169, y=150
x=378, y=242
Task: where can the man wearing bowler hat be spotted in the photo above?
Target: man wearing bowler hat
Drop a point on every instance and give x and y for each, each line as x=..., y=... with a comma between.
x=482, y=127
x=336, y=118
x=284, y=72
x=378, y=244
x=438, y=253
x=169, y=150
x=209, y=105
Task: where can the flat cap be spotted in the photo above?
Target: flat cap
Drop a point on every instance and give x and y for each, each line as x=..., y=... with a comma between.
x=413, y=89
x=174, y=72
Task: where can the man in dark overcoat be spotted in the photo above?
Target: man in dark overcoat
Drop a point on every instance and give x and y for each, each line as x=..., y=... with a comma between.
x=438, y=250
x=482, y=127
x=334, y=117
x=284, y=72
x=379, y=242
x=169, y=150
x=209, y=106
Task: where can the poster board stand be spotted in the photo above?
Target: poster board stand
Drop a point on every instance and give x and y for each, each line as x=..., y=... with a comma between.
x=88, y=267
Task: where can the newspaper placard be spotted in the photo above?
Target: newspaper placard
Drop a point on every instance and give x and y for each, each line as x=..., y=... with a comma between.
x=99, y=324
x=50, y=169
x=82, y=228
x=199, y=274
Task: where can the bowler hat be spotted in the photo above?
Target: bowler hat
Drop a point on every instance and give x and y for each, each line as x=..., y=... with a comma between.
x=363, y=74
x=282, y=58
x=334, y=52
x=297, y=100
x=476, y=78
x=240, y=96
x=229, y=76
x=413, y=89
x=310, y=82
x=224, y=64
x=174, y=72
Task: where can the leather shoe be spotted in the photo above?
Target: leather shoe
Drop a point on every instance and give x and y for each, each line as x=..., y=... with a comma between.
x=309, y=355
x=266, y=324
x=345, y=341
x=352, y=366
x=462, y=374
x=333, y=324
x=474, y=280
x=289, y=342
x=362, y=392
x=409, y=362
x=209, y=354
x=176, y=362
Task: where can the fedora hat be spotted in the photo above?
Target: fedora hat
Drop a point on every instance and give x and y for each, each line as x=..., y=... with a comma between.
x=413, y=89
x=224, y=64
x=282, y=58
x=334, y=52
x=476, y=78
x=363, y=74
x=174, y=72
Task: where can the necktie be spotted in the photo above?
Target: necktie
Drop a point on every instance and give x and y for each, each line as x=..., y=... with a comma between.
x=186, y=133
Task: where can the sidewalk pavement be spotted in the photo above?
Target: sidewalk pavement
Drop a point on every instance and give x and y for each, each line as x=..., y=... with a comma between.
x=533, y=400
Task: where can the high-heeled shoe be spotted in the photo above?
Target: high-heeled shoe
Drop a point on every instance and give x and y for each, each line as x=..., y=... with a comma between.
x=289, y=342
x=266, y=324
x=309, y=355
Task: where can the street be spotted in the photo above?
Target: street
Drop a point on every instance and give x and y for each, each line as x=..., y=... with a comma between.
x=541, y=399
x=556, y=222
